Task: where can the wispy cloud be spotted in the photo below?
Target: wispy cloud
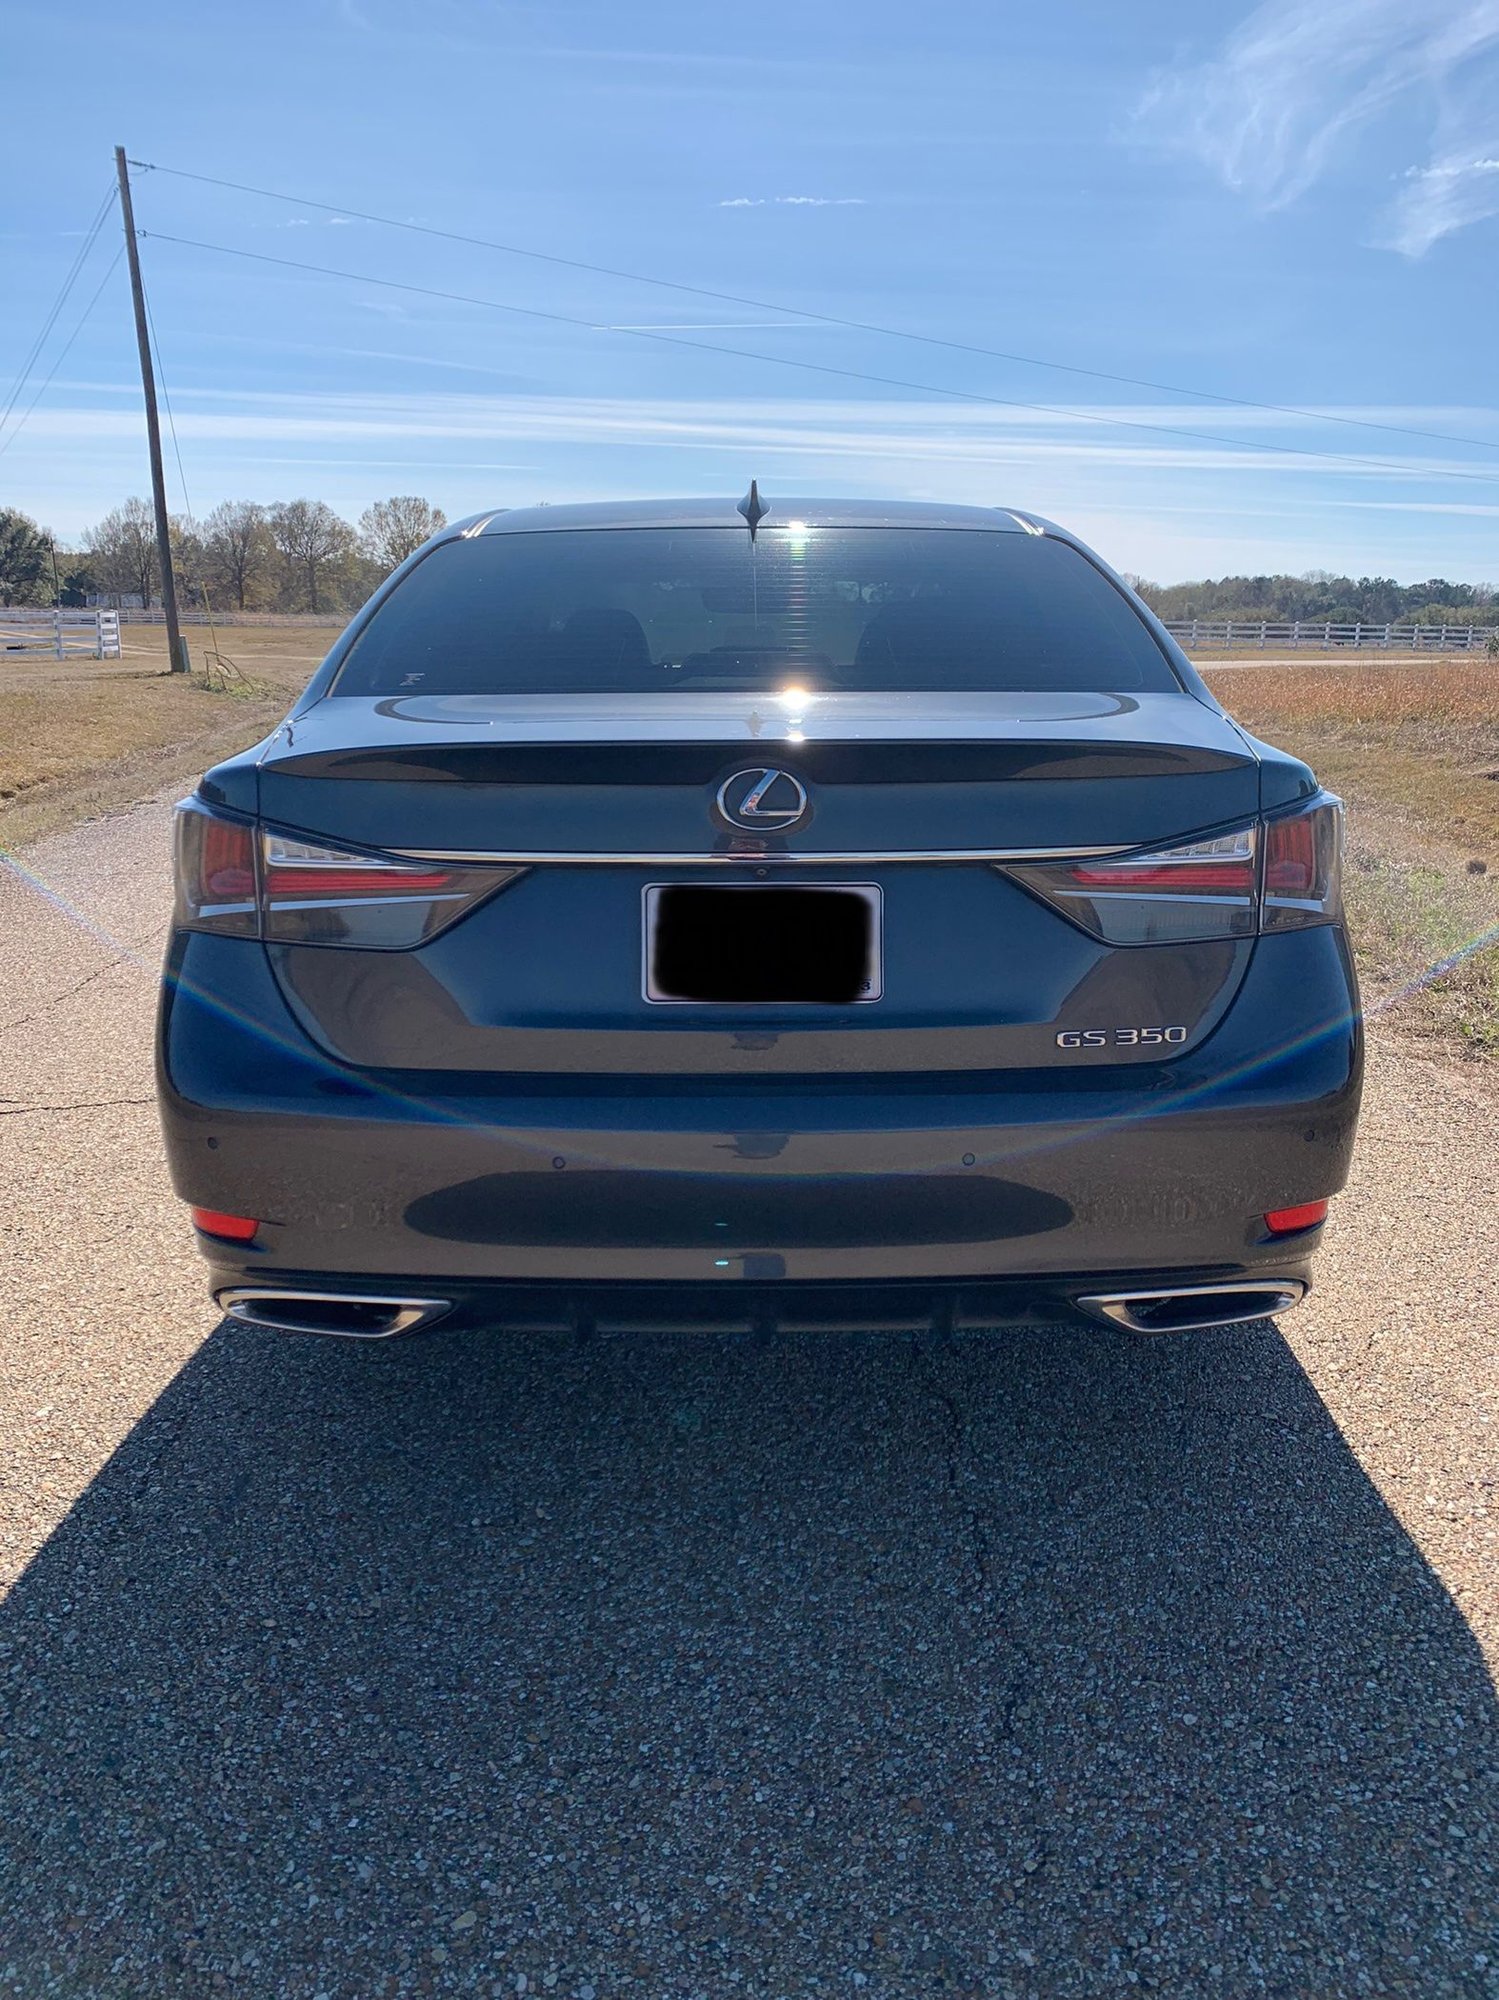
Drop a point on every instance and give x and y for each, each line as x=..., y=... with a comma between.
x=1160, y=506
x=794, y=201
x=1270, y=111
x=1445, y=196
x=888, y=433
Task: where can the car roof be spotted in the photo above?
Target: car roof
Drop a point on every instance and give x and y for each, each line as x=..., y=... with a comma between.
x=723, y=513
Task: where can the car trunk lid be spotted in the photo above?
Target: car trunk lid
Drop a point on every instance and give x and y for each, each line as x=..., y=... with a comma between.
x=917, y=773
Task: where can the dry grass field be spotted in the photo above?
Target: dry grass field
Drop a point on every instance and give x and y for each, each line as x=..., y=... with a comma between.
x=79, y=737
x=1413, y=748
x=1415, y=752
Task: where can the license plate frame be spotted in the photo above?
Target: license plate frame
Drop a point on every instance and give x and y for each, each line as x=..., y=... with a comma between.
x=870, y=893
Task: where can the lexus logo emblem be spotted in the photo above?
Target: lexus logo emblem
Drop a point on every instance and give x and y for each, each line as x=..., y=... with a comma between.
x=763, y=800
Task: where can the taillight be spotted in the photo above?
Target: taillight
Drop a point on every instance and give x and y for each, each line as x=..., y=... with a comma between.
x=1303, y=881
x=313, y=894
x=1202, y=889
x=258, y=882
x=1268, y=875
x=214, y=863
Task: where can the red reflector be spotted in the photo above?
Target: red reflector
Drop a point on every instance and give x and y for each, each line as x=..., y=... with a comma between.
x=1281, y=1221
x=237, y=1228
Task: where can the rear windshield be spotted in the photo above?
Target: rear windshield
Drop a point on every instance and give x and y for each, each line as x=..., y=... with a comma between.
x=637, y=610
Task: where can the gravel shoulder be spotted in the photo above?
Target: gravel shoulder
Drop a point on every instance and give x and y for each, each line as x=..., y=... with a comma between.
x=1040, y=1665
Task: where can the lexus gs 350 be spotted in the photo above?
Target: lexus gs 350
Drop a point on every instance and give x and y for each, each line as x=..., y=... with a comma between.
x=811, y=914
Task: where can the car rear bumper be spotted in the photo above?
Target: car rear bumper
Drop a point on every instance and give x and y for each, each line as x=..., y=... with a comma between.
x=1036, y=1183
x=328, y=1303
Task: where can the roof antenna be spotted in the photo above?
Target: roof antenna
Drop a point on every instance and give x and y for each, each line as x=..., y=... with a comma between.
x=753, y=508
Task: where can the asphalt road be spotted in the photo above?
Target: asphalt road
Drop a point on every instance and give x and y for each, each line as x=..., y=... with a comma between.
x=1043, y=1664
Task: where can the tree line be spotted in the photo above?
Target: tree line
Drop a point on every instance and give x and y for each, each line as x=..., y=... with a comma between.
x=295, y=555
x=299, y=555
x=1320, y=597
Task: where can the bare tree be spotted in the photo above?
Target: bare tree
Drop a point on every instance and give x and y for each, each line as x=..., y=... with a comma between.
x=122, y=550
x=238, y=548
x=393, y=529
x=314, y=544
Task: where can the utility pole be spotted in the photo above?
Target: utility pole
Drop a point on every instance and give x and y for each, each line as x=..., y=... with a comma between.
x=176, y=648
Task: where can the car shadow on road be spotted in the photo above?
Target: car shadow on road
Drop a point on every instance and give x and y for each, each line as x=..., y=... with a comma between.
x=1043, y=1663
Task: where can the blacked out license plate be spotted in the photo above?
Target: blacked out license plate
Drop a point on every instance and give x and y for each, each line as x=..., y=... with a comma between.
x=753, y=944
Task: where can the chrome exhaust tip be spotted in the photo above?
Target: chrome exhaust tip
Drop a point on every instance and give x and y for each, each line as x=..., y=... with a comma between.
x=343, y=1315
x=1188, y=1308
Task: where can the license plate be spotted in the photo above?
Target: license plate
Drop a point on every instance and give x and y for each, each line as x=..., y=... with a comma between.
x=763, y=944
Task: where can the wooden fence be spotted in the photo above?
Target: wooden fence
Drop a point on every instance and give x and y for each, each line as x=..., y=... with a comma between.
x=1205, y=634
x=156, y=616
x=1315, y=633
x=60, y=635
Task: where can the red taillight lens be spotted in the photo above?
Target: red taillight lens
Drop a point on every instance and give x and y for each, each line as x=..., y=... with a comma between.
x=1273, y=875
x=1306, y=1215
x=1303, y=868
x=247, y=881
x=1202, y=889
x=228, y=860
x=233, y=1228
x=214, y=862
x=287, y=884
x=1168, y=875
x=1290, y=857
x=314, y=894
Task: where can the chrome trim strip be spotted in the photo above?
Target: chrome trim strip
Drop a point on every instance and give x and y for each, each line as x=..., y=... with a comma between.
x=1279, y=1296
x=864, y=858
x=251, y=1306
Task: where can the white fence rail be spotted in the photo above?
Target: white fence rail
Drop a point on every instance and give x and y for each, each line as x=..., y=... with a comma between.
x=1314, y=633
x=1193, y=633
x=156, y=616
x=59, y=635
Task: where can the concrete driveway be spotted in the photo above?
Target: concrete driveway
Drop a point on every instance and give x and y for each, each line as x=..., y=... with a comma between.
x=1045, y=1664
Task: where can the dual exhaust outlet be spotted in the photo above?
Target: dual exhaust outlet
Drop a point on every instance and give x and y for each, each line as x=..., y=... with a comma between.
x=1191, y=1308
x=344, y=1315
x=363, y=1316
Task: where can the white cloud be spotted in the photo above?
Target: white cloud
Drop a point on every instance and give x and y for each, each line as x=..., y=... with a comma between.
x=794, y=201
x=1440, y=198
x=1295, y=81
x=906, y=433
x=1166, y=507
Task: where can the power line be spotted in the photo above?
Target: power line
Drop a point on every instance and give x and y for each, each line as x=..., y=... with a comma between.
x=79, y=259
x=1406, y=468
x=66, y=349
x=166, y=398
x=90, y=235
x=213, y=653
x=821, y=318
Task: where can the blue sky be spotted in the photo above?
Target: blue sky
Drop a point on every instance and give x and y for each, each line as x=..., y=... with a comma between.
x=1296, y=204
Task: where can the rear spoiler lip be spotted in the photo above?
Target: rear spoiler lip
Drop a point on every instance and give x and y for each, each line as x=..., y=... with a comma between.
x=595, y=759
